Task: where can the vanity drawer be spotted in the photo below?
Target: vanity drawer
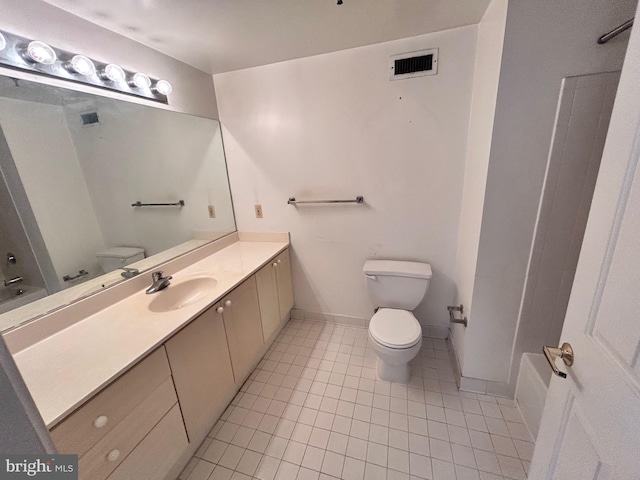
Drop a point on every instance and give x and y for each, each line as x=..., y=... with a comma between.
x=96, y=418
x=105, y=456
x=156, y=455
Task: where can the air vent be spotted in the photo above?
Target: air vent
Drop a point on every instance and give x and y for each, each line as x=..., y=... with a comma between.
x=89, y=119
x=413, y=64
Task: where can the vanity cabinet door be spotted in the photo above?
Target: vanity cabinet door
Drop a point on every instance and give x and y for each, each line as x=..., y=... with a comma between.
x=201, y=368
x=241, y=313
x=268, y=296
x=285, y=283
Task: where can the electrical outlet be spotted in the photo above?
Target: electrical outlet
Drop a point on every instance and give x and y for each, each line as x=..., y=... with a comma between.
x=212, y=211
x=258, y=209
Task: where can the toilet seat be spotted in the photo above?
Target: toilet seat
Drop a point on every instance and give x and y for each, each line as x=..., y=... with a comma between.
x=395, y=328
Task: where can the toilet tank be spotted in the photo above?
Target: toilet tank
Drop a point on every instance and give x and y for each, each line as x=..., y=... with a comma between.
x=397, y=284
x=118, y=257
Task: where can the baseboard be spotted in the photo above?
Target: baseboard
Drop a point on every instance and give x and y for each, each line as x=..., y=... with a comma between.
x=453, y=358
x=431, y=331
x=299, y=314
x=487, y=387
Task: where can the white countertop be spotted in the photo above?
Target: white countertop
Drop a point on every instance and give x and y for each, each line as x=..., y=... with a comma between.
x=66, y=369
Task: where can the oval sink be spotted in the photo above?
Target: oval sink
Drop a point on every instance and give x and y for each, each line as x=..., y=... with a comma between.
x=183, y=293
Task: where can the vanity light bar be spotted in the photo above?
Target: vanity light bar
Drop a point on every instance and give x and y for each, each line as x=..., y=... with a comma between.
x=38, y=57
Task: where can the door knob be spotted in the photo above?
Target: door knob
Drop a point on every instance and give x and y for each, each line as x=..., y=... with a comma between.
x=227, y=303
x=220, y=310
x=565, y=352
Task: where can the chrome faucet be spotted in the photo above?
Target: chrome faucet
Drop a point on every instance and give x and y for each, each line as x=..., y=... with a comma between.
x=159, y=282
x=129, y=272
x=13, y=281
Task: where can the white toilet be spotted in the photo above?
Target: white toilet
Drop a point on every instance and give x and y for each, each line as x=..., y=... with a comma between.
x=396, y=288
x=118, y=257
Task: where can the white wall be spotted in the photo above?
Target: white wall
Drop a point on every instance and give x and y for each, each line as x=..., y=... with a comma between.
x=48, y=166
x=334, y=126
x=483, y=104
x=544, y=42
x=584, y=111
x=153, y=156
x=193, y=90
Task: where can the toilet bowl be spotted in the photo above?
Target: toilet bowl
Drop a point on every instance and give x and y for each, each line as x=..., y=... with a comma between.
x=395, y=335
x=396, y=338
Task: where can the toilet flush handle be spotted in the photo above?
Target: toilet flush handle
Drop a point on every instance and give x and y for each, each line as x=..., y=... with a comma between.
x=371, y=277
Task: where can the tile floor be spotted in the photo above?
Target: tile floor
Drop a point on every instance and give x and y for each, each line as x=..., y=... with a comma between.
x=314, y=410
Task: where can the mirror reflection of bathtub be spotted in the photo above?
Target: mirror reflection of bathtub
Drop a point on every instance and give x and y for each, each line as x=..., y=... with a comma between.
x=19, y=295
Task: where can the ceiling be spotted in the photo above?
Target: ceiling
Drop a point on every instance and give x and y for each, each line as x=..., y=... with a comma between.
x=224, y=35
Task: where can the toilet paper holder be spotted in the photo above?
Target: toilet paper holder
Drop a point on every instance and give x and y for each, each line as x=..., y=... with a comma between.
x=452, y=314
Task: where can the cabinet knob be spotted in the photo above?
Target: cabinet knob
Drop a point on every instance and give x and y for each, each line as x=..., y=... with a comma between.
x=219, y=309
x=113, y=455
x=227, y=303
x=279, y=260
x=100, y=421
x=275, y=264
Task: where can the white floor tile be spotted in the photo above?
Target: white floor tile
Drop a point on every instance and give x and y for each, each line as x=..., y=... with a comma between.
x=420, y=466
x=215, y=451
x=440, y=450
x=221, y=473
x=314, y=410
x=201, y=471
x=231, y=457
x=313, y=458
x=398, y=460
x=487, y=462
x=287, y=471
x=375, y=472
x=463, y=456
x=357, y=448
x=307, y=474
x=443, y=470
x=249, y=462
x=398, y=439
x=332, y=464
x=353, y=469
x=466, y=473
x=319, y=438
x=511, y=468
x=377, y=454
x=294, y=452
x=337, y=443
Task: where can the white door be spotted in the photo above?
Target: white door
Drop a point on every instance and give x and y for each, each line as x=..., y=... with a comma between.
x=591, y=423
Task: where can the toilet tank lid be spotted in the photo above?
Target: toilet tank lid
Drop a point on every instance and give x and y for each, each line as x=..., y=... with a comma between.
x=121, y=252
x=397, y=268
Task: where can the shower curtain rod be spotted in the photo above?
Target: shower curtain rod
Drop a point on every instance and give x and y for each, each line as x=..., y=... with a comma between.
x=616, y=31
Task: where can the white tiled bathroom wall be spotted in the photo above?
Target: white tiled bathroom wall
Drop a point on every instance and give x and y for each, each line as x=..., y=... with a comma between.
x=581, y=127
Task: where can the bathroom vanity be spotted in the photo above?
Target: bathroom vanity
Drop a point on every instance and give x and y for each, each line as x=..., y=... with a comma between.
x=134, y=390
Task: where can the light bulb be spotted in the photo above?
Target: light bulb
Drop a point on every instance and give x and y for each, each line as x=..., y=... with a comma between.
x=114, y=73
x=82, y=65
x=40, y=52
x=163, y=87
x=140, y=80
x=3, y=42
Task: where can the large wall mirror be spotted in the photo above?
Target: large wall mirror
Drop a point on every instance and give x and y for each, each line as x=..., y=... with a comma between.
x=72, y=165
